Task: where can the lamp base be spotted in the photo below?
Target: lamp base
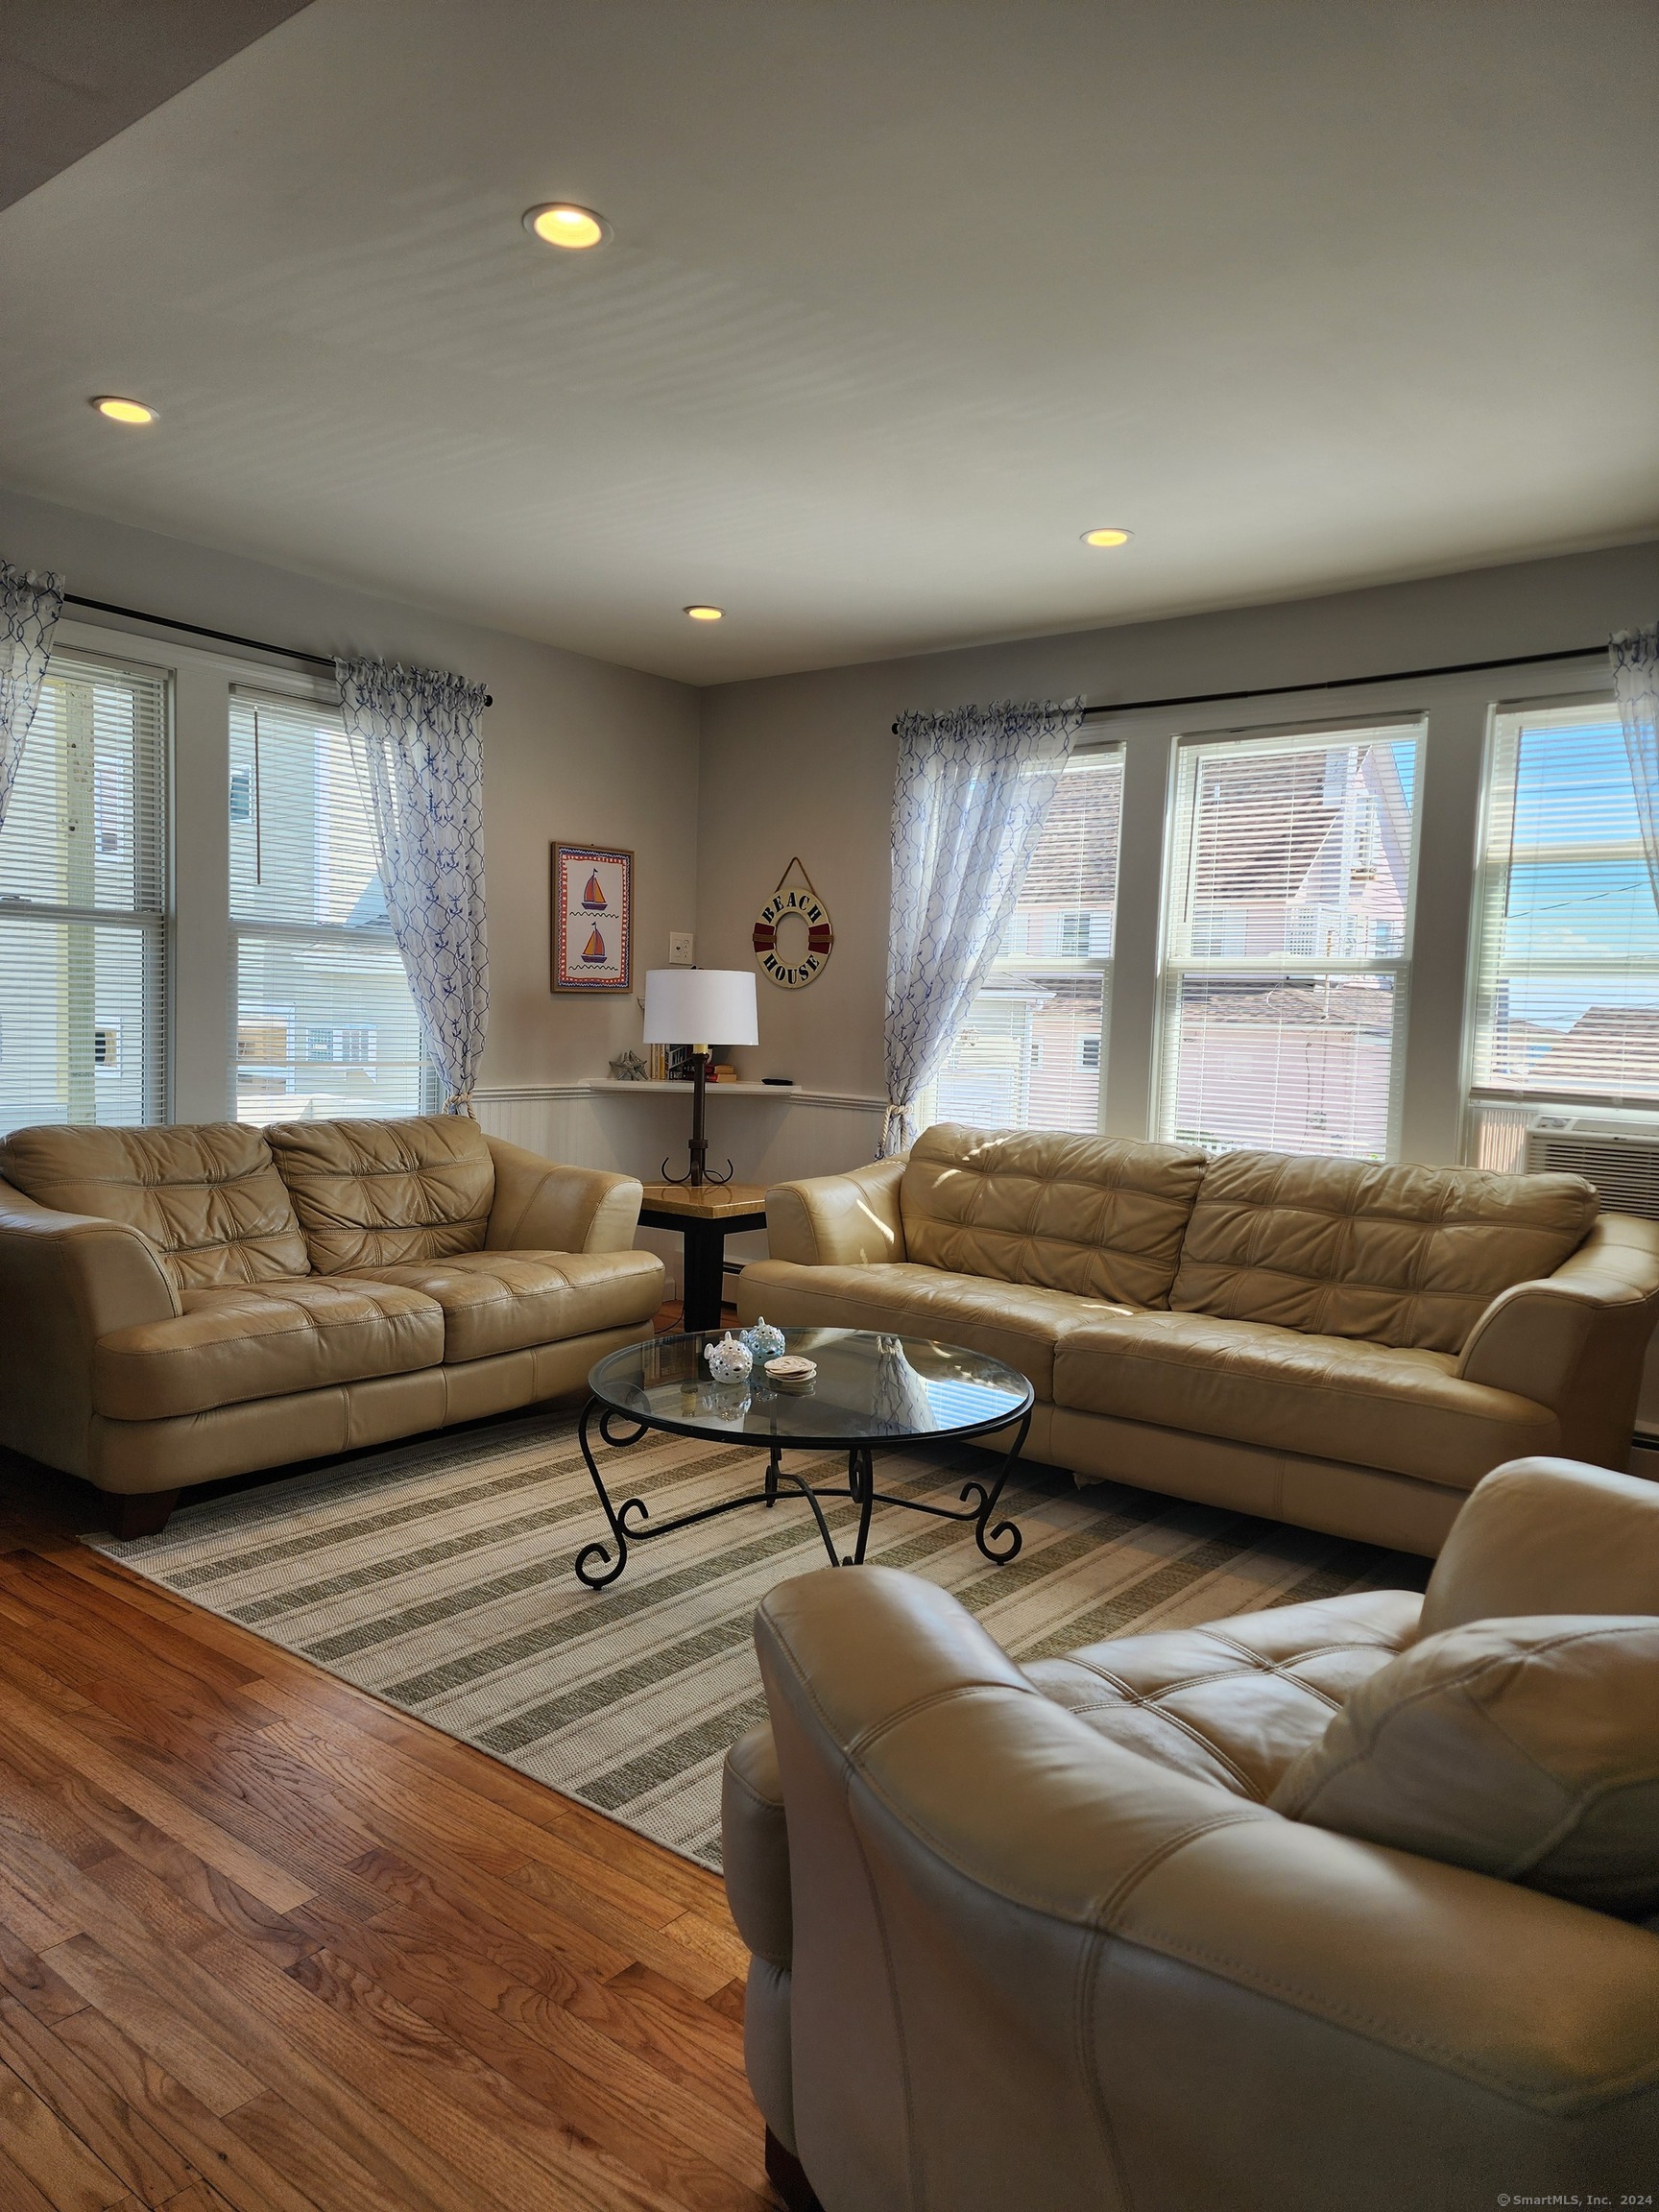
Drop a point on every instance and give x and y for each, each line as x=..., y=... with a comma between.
x=697, y=1175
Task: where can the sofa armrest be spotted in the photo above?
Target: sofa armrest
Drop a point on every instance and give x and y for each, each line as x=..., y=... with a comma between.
x=541, y=1206
x=1041, y=1969
x=754, y=1840
x=1547, y=1536
x=838, y=1220
x=1575, y=1340
x=65, y=1281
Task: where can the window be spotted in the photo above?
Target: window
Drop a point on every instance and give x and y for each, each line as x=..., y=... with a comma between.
x=84, y=902
x=1567, y=964
x=326, y=1021
x=1286, y=931
x=1019, y=1061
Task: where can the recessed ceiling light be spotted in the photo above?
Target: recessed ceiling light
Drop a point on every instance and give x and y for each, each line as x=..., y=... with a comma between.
x=706, y=613
x=123, y=410
x=562, y=223
x=1107, y=536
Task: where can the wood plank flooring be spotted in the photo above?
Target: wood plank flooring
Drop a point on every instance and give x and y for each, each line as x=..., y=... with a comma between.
x=267, y=1945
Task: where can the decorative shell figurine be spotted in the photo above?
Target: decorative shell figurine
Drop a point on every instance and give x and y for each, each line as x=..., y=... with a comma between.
x=764, y=1342
x=729, y=1361
x=791, y=1372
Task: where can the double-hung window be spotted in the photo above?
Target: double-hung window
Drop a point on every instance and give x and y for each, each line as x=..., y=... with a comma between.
x=1031, y=1052
x=1566, y=1005
x=84, y=902
x=326, y=1021
x=1287, y=931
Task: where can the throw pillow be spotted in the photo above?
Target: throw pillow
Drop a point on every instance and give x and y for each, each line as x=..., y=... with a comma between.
x=1526, y=1749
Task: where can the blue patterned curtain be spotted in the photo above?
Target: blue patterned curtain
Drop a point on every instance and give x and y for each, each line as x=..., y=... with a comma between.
x=973, y=785
x=414, y=741
x=1635, y=659
x=30, y=606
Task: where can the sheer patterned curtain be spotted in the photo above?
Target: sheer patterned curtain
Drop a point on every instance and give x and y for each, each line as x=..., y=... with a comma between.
x=1635, y=659
x=973, y=788
x=414, y=742
x=30, y=606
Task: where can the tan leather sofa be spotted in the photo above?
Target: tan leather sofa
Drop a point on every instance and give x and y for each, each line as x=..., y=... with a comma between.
x=181, y=1304
x=1035, y=1937
x=1343, y=1346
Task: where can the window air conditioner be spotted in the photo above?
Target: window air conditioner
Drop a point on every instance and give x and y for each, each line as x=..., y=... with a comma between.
x=1621, y=1160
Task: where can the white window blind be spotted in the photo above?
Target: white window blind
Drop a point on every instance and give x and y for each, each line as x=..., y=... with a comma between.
x=326, y=1021
x=1288, y=937
x=1031, y=1052
x=1567, y=994
x=84, y=902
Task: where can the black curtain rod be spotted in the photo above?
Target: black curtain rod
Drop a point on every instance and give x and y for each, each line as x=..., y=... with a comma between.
x=224, y=637
x=1337, y=683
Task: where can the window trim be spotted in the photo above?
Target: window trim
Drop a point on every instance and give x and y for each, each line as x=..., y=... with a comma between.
x=1488, y=902
x=1062, y=965
x=155, y=926
x=1173, y=966
x=324, y=698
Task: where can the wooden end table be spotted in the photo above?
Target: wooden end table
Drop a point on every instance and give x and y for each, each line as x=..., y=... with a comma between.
x=705, y=1218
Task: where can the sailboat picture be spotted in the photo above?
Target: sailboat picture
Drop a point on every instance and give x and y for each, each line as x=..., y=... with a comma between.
x=592, y=918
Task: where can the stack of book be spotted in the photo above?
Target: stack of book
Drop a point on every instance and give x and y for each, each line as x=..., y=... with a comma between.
x=668, y=1063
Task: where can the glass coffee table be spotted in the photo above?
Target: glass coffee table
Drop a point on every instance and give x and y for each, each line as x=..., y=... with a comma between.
x=870, y=1390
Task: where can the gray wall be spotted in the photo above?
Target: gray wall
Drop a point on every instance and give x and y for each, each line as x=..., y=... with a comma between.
x=804, y=764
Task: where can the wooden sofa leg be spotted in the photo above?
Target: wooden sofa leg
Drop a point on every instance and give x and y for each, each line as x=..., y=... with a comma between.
x=143, y=1515
x=788, y=2177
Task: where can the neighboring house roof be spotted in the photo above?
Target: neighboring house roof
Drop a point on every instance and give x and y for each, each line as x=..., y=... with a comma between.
x=1285, y=1006
x=1607, y=1047
x=1076, y=864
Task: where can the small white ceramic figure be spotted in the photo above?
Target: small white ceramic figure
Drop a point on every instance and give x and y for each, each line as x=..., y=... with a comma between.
x=729, y=1361
x=764, y=1342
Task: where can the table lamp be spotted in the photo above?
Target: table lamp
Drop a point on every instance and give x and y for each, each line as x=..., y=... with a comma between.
x=700, y=1008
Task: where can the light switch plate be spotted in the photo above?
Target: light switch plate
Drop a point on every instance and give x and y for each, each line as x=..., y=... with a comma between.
x=679, y=949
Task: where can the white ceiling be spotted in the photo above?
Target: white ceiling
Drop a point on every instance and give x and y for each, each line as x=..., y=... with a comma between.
x=904, y=295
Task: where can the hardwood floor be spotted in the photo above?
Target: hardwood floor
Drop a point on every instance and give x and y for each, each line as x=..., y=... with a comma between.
x=266, y=1944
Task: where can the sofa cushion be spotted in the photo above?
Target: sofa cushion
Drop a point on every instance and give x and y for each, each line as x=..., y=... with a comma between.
x=1237, y=1701
x=1089, y=1215
x=1015, y=1322
x=208, y=1196
x=1326, y=1397
x=506, y=1301
x=1409, y=1255
x=263, y=1340
x=374, y=1194
x=1526, y=1749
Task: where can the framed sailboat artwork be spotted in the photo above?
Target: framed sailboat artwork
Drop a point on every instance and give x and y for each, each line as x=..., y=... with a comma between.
x=592, y=918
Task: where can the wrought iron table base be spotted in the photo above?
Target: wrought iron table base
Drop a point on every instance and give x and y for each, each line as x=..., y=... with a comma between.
x=595, y=1567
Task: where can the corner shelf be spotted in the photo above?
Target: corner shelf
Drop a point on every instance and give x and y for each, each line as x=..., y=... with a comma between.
x=712, y=1089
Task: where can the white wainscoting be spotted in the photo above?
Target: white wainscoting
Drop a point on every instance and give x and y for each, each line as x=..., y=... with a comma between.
x=772, y=1138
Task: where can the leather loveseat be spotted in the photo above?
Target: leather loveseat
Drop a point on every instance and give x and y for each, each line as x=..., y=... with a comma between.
x=1344, y=1346
x=1077, y=1935
x=181, y=1304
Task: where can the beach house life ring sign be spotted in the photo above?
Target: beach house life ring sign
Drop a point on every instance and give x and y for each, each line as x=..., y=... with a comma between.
x=794, y=937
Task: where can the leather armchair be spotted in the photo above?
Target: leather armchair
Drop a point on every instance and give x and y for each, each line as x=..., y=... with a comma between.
x=1033, y=1937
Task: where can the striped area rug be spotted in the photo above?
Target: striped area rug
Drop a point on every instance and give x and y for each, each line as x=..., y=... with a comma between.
x=437, y=1577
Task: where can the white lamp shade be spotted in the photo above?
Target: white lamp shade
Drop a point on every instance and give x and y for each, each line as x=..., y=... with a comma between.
x=700, y=1006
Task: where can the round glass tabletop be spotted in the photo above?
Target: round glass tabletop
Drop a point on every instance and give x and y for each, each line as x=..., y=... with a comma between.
x=868, y=1390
